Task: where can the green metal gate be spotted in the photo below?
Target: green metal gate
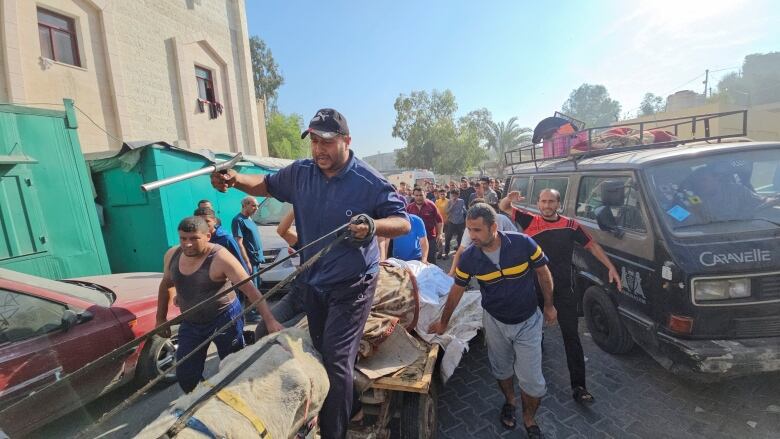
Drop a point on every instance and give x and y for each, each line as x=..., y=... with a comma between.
x=48, y=221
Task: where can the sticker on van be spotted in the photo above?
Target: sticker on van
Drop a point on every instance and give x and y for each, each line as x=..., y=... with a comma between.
x=678, y=212
x=632, y=285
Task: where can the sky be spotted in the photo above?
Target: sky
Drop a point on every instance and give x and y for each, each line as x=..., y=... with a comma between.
x=515, y=58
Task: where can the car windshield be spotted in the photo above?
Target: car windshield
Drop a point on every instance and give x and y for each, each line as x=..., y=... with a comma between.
x=271, y=211
x=79, y=292
x=723, y=193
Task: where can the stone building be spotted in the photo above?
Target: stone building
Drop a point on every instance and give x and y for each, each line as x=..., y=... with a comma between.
x=171, y=70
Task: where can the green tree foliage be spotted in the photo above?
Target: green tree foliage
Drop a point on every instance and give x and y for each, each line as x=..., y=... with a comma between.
x=265, y=72
x=426, y=122
x=592, y=104
x=651, y=104
x=480, y=121
x=284, y=136
x=506, y=136
x=759, y=82
x=457, y=149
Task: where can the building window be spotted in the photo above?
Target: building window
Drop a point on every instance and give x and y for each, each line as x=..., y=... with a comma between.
x=58, y=37
x=206, y=95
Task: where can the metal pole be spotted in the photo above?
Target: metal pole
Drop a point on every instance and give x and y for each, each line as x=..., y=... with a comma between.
x=217, y=167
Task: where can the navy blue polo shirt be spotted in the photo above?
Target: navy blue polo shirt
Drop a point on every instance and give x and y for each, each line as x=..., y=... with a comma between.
x=508, y=291
x=323, y=204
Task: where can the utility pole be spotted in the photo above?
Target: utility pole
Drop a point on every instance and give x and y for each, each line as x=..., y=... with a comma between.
x=706, y=81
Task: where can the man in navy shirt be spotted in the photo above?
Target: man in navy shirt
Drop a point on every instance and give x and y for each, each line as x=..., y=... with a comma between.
x=504, y=264
x=329, y=190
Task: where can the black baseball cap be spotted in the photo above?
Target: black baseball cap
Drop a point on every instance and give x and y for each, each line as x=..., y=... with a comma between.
x=327, y=123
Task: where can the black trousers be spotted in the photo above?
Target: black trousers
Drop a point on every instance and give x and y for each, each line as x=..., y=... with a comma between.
x=456, y=231
x=568, y=319
x=336, y=321
x=433, y=248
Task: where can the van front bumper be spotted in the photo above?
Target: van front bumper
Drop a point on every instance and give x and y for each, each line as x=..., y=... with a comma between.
x=721, y=358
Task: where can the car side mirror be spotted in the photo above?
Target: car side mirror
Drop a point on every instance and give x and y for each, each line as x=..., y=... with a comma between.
x=85, y=316
x=69, y=319
x=606, y=221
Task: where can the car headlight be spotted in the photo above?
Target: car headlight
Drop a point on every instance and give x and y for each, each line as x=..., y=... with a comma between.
x=721, y=289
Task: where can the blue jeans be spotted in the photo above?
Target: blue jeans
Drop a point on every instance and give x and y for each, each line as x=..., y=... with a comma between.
x=190, y=373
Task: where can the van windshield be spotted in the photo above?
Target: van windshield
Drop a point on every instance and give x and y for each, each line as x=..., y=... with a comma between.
x=723, y=193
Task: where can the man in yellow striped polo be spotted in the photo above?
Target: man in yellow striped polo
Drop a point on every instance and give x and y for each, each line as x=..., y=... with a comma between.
x=505, y=264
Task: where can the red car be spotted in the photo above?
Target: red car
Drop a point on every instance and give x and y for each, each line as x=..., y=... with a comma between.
x=49, y=329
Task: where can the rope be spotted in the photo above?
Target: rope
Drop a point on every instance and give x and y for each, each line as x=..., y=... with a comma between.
x=187, y=414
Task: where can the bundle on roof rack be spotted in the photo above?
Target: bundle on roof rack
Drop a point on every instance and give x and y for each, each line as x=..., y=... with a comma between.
x=557, y=138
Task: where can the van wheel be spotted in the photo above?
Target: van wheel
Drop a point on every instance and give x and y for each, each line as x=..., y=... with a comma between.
x=604, y=323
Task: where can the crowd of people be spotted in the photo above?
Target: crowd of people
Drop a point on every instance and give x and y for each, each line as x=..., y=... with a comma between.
x=441, y=209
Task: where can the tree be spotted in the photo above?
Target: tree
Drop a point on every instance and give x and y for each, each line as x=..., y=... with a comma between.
x=426, y=122
x=458, y=152
x=480, y=121
x=592, y=104
x=284, y=136
x=265, y=72
x=503, y=137
x=651, y=104
x=416, y=117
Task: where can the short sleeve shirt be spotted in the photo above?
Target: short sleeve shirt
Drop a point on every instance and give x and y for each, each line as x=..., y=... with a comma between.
x=557, y=239
x=323, y=204
x=407, y=247
x=429, y=214
x=243, y=227
x=508, y=290
x=221, y=237
x=441, y=204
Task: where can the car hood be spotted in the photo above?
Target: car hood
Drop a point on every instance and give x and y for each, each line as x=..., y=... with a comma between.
x=128, y=287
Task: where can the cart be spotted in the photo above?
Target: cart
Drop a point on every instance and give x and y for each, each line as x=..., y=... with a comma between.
x=409, y=395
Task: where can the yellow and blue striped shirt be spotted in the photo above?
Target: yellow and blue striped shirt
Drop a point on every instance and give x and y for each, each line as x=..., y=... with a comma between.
x=508, y=291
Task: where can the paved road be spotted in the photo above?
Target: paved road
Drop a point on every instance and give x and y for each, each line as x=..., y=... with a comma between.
x=635, y=398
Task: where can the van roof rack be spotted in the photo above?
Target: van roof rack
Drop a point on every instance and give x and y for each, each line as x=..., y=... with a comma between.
x=598, y=141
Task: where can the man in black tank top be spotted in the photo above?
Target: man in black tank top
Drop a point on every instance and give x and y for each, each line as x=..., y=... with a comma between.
x=199, y=270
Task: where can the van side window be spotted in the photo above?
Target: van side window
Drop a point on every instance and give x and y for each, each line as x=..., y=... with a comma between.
x=560, y=184
x=628, y=216
x=519, y=184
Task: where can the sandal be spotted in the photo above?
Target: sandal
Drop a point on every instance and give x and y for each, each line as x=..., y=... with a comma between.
x=508, y=419
x=582, y=396
x=533, y=432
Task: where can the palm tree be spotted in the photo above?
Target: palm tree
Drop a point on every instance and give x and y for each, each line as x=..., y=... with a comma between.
x=503, y=137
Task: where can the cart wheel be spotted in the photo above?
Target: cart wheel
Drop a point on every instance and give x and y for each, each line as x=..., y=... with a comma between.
x=418, y=413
